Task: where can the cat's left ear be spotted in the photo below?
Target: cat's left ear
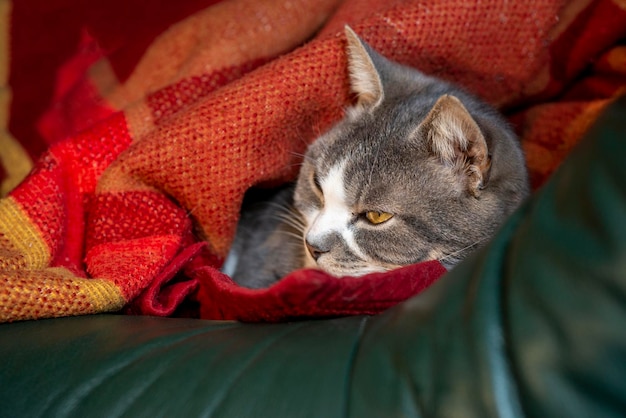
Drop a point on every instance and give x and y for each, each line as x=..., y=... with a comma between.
x=455, y=138
x=365, y=80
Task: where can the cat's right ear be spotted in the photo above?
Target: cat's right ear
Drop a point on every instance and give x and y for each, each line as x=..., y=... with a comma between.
x=455, y=138
x=365, y=80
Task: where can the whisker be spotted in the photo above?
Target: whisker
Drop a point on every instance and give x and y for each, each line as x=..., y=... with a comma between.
x=297, y=228
x=369, y=179
x=455, y=253
x=289, y=216
x=292, y=235
x=282, y=208
x=304, y=156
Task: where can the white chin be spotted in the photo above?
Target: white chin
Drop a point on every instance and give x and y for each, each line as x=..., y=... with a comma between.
x=339, y=271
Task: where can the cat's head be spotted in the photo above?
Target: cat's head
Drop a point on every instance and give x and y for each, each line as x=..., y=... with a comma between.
x=417, y=170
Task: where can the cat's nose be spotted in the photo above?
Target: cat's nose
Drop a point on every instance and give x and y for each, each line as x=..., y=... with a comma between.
x=313, y=250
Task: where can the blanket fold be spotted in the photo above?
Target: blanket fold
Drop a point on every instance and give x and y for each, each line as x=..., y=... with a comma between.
x=153, y=134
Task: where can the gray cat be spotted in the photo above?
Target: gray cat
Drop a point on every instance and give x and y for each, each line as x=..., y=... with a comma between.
x=417, y=170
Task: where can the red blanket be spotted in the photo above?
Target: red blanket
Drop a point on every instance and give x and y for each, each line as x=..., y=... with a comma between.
x=144, y=122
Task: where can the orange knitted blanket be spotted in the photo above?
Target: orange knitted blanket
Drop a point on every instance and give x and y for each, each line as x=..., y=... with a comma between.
x=131, y=130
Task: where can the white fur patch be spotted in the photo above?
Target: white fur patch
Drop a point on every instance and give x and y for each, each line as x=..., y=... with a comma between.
x=336, y=215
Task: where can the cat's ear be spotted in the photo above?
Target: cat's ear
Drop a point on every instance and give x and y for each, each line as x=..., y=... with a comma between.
x=455, y=138
x=364, y=77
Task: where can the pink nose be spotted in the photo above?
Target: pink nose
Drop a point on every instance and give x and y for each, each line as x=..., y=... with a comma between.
x=314, y=251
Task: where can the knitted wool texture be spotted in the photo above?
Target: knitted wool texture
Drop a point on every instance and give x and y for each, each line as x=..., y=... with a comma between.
x=153, y=131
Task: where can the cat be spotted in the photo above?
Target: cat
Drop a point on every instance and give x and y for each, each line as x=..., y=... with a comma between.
x=418, y=169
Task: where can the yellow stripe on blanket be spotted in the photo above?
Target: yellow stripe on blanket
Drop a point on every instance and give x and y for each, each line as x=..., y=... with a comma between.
x=30, y=289
x=21, y=244
x=54, y=292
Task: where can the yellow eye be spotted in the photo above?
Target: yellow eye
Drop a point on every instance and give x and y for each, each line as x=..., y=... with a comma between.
x=376, y=217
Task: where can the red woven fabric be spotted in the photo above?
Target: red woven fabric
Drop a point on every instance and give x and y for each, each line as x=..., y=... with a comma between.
x=311, y=293
x=156, y=117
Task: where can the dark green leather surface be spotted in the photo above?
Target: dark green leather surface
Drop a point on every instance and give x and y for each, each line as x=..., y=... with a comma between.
x=109, y=366
x=534, y=325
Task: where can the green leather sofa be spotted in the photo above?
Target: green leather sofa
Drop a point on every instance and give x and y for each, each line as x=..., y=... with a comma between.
x=534, y=325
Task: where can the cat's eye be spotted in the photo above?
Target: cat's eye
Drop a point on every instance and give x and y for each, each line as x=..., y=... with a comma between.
x=316, y=183
x=316, y=186
x=376, y=217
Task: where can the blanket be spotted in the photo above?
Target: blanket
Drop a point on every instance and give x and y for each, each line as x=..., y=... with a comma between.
x=132, y=129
